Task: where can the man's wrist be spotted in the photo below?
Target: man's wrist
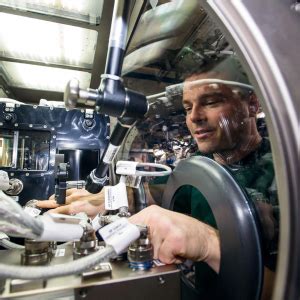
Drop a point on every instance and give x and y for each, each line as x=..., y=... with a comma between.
x=213, y=257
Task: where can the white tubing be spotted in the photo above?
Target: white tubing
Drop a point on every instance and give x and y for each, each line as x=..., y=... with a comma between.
x=70, y=268
x=14, y=221
x=220, y=81
x=155, y=96
x=125, y=167
x=10, y=245
x=167, y=169
x=59, y=231
x=178, y=87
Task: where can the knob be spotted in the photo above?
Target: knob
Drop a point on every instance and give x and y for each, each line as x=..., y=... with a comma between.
x=16, y=187
x=71, y=94
x=10, y=117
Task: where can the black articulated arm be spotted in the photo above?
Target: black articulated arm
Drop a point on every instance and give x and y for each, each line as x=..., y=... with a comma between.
x=61, y=183
x=98, y=177
x=112, y=98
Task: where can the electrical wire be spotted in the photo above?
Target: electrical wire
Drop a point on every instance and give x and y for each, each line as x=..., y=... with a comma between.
x=46, y=272
x=220, y=81
x=7, y=244
x=200, y=82
x=167, y=169
x=15, y=221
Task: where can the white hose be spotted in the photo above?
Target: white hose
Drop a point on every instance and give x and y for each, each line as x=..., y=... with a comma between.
x=155, y=96
x=46, y=272
x=167, y=169
x=220, y=81
x=125, y=167
x=176, y=89
x=10, y=245
x=15, y=221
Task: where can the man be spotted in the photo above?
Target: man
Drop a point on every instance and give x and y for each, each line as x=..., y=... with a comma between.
x=221, y=116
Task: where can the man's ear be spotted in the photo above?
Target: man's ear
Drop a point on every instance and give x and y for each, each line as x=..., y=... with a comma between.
x=253, y=105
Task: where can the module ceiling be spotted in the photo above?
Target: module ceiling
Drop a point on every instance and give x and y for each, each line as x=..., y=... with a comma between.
x=44, y=43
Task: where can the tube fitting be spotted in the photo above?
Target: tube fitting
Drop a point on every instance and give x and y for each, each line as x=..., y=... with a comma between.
x=140, y=253
x=36, y=253
x=15, y=187
x=87, y=244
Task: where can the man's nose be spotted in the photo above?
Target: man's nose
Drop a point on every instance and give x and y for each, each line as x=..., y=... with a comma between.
x=197, y=114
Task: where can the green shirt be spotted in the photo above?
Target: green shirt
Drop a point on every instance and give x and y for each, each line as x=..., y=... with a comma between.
x=254, y=173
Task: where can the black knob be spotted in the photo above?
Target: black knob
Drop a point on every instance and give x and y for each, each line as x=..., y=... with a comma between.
x=9, y=117
x=89, y=123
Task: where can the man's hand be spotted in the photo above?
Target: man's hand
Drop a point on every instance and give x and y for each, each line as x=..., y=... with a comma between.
x=77, y=200
x=80, y=200
x=176, y=237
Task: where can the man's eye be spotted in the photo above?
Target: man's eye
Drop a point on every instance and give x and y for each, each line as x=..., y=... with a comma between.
x=212, y=101
x=187, y=109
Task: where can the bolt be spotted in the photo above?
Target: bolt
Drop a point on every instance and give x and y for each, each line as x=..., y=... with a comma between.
x=89, y=123
x=161, y=280
x=83, y=293
x=8, y=117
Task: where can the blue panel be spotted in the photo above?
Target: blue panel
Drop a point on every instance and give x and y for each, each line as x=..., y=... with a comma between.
x=81, y=138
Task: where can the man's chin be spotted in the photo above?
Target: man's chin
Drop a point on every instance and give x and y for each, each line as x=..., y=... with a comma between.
x=206, y=149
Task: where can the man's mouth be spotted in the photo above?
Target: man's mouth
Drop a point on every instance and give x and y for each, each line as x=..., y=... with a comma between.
x=203, y=133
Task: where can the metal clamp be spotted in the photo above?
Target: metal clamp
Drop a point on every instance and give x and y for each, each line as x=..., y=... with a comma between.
x=111, y=76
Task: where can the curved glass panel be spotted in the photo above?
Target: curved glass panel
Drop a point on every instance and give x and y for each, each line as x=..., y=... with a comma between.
x=204, y=104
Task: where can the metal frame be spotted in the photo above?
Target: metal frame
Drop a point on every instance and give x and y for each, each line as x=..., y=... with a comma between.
x=7, y=89
x=47, y=17
x=103, y=29
x=38, y=63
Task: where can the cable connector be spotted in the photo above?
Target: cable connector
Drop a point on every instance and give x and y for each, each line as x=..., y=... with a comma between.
x=120, y=234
